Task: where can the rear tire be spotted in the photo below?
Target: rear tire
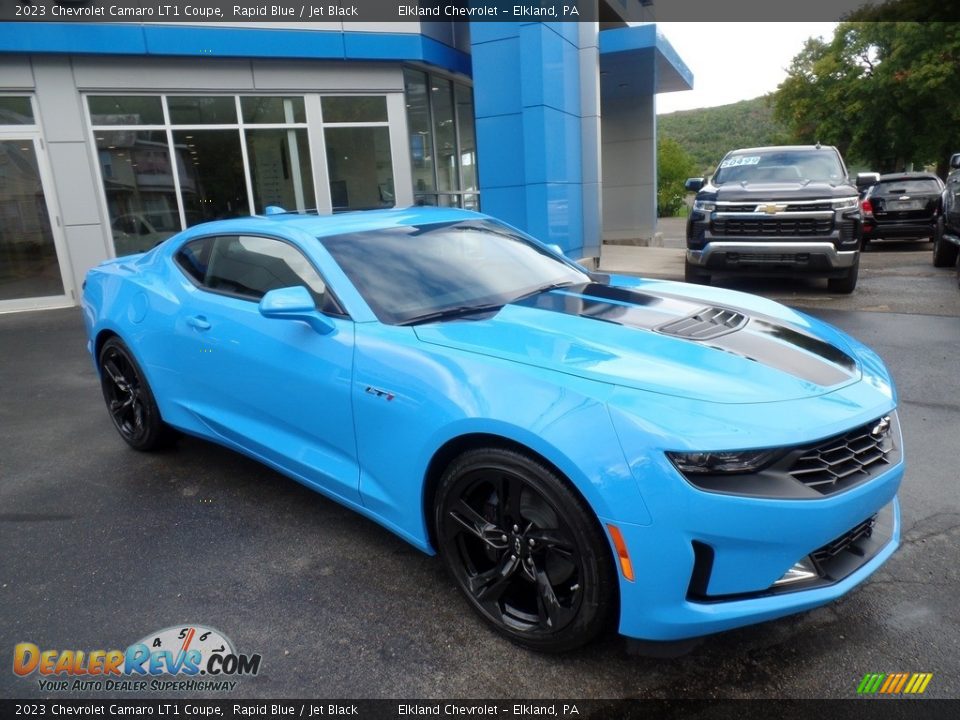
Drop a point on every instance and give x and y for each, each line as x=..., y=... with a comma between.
x=848, y=283
x=944, y=253
x=129, y=399
x=525, y=550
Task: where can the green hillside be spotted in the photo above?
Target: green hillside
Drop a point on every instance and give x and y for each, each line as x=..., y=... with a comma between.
x=706, y=134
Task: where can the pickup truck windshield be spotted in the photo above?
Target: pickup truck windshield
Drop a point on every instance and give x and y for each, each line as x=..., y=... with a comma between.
x=780, y=166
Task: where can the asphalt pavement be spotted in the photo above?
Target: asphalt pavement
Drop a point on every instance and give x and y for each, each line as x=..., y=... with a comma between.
x=102, y=545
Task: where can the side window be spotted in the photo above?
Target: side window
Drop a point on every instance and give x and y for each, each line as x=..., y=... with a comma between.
x=249, y=266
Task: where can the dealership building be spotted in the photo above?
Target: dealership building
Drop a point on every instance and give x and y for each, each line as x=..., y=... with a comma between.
x=115, y=136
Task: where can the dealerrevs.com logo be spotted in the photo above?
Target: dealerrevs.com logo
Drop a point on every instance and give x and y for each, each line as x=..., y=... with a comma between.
x=180, y=658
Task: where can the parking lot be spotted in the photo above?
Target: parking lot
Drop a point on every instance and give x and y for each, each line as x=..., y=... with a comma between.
x=103, y=545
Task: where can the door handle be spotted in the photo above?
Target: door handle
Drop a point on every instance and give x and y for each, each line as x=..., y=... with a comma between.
x=199, y=322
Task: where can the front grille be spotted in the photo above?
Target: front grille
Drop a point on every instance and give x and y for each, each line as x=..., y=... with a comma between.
x=705, y=325
x=773, y=227
x=845, y=459
x=847, y=541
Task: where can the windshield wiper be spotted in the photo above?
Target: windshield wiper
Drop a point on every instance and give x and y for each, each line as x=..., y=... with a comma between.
x=453, y=312
x=545, y=288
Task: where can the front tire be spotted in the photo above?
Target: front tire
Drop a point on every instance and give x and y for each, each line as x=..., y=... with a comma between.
x=692, y=274
x=525, y=549
x=848, y=283
x=944, y=253
x=129, y=399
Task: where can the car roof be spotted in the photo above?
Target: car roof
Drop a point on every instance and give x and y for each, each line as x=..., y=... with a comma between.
x=336, y=224
x=891, y=177
x=774, y=148
x=360, y=220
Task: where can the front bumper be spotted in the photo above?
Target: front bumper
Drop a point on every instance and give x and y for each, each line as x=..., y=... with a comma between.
x=752, y=542
x=899, y=229
x=766, y=255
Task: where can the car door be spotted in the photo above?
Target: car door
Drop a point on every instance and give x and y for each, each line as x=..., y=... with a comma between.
x=276, y=388
x=952, y=201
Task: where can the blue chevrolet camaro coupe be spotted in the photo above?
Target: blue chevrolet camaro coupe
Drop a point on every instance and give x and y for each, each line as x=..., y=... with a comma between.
x=578, y=449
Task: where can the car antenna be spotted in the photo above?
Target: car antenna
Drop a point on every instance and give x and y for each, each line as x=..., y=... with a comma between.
x=817, y=146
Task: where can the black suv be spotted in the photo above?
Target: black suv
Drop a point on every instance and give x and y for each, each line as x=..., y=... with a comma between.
x=783, y=210
x=902, y=205
x=946, y=238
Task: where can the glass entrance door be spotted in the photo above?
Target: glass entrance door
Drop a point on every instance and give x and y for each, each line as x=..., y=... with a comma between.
x=31, y=274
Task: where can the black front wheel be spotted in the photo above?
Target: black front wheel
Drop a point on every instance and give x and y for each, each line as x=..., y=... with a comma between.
x=692, y=274
x=525, y=549
x=848, y=283
x=129, y=399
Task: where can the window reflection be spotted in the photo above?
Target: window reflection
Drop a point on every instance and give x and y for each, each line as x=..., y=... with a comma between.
x=360, y=167
x=211, y=174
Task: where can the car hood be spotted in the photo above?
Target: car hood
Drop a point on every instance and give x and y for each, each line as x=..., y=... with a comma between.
x=801, y=190
x=659, y=338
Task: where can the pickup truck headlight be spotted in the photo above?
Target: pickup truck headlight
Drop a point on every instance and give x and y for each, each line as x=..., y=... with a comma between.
x=847, y=203
x=714, y=463
x=704, y=205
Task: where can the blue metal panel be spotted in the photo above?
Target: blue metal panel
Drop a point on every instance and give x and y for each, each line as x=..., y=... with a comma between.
x=71, y=37
x=242, y=42
x=552, y=146
x=180, y=40
x=503, y=164
x=530, y=71
x=496, y=65
x=560, y=216
x=549, y=80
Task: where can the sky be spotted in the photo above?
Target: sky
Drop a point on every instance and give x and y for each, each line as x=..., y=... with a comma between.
x=734, y=61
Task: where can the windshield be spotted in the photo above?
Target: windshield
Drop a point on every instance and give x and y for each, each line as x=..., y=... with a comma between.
x=407, y=273
x=775, y=166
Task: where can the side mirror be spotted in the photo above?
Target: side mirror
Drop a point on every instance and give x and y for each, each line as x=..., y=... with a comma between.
x=865, y=180
x=295, y=303
x=557, y=249
x=955, y=161
x=694, y=184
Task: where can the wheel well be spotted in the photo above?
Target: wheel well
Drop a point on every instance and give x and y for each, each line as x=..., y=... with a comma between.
x=98, y=344
x=452, y=449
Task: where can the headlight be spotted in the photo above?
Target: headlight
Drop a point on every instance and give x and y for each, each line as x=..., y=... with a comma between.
x=741, y=461
x=704, y=205
x=846, y=203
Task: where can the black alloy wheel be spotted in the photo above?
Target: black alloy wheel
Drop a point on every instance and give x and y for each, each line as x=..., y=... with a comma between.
x=129, y=400
x=524, y=548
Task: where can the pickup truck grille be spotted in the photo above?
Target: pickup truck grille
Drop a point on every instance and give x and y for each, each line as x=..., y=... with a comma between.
x=773, y=227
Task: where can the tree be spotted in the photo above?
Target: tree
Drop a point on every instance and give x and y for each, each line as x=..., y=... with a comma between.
x=674, y=166
x=885, y=93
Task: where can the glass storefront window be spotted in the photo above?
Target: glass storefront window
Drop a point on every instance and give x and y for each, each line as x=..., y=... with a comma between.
x=211, y=172
x=354, y=109
x=272, y=110
x=468, y=142
x=445, y=134
x=280, y=169
x=421, y=138
x=360, y=167
x=443, y=148
x=216, y=110
x=28, y=256
x=15, y=110
x=138, y=184
x=125, y=110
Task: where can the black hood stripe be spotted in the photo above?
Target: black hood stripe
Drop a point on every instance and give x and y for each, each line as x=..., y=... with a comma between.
x=762, y=340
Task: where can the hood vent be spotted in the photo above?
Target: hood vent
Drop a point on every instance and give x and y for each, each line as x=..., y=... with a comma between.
x=706, y=324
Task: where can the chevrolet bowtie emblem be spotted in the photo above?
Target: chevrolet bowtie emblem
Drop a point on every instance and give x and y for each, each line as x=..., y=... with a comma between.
x=771, y=209
x=881, y=428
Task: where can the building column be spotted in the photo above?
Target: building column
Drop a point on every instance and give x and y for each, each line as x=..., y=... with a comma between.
x=537, y=108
